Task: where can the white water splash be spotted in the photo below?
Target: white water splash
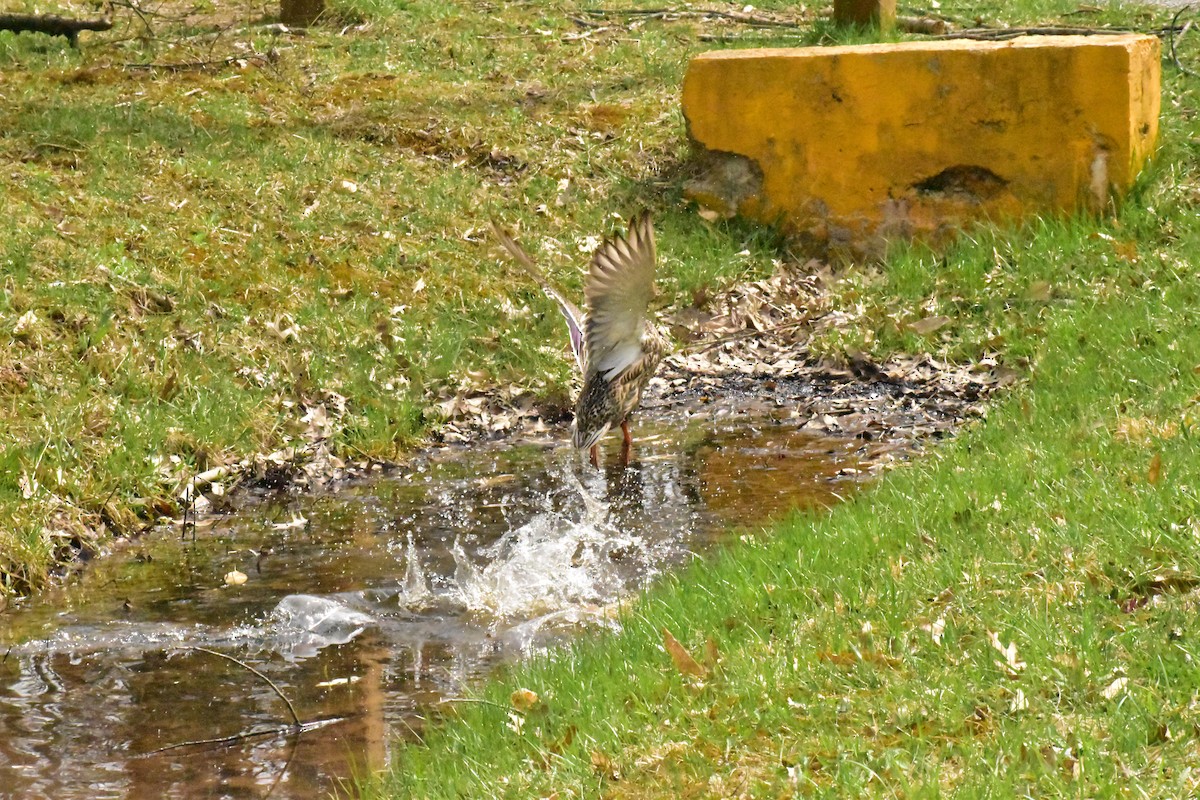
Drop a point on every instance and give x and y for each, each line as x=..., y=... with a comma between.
x=323, y=616
x=303, y=624
x=298, y=627
x=416, y=586
x=552, y=567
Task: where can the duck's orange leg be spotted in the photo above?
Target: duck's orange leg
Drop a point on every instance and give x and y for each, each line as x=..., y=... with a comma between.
x=627, y=444
x=594, y=455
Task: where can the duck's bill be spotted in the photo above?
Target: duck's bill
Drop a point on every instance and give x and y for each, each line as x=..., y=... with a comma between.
x=584, y=439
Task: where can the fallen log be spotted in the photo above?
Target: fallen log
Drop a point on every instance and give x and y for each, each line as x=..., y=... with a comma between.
x=52, y=25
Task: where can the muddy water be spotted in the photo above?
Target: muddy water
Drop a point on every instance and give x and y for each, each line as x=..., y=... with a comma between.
x=368, y=608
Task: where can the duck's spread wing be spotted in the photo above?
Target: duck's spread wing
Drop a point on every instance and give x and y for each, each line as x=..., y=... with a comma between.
x=619, y=287
x=570, y=311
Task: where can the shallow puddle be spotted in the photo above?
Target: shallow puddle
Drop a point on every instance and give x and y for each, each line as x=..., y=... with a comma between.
x=368, y=608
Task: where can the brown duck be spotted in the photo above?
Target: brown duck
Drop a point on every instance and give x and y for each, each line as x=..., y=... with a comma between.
x=616, y=346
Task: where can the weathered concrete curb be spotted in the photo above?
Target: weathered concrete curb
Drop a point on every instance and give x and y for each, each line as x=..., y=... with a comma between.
x=852, y=146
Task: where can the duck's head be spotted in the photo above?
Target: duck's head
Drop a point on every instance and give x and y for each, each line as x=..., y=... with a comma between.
x=584, y=438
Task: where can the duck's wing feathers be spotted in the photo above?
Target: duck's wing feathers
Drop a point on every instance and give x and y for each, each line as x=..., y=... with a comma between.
x=619, y=287
x=570, y=311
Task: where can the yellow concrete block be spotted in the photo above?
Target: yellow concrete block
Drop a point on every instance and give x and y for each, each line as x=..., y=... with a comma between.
x=853, y=146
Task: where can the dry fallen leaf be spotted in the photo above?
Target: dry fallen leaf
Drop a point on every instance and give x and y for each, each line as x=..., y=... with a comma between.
x=936, y=629
x=1012, y=664
x=711, y=654
x=338, y=682
x=563, y=742
x=852, y=658
x=928, y=325
x=24, y=324
x=1154, y=473
x=1125, y=250
x=1115, y=688
x=1137, y=430
x=681, y=657
x=604, y=765
x=296, y=522
x=1040, y=291
x=524, y=699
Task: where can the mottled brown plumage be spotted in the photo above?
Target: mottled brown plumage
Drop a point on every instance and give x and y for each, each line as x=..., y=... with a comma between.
x=615, y=344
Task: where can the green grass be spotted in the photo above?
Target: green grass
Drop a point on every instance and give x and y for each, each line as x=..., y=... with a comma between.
x=1066, y=525
x=186, y=270
x=1007, y=616
x=1045, y=525
x=196, y=257
x=1049, y=525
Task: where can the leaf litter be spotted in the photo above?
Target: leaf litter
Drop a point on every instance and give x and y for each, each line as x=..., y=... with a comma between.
x=750, y=344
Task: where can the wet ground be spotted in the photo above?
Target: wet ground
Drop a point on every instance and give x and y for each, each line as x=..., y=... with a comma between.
x=372, y=607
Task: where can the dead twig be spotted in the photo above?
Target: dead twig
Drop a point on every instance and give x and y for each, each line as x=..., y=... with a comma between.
x=244, y=736
x=133, y=6
x=286, y=766
x=1000, y=34
x=297, y=727
x=1172, y=39
x=202, y=66
x=237, y=737
x=750, y=37
x=296, y=724
x=666, y=13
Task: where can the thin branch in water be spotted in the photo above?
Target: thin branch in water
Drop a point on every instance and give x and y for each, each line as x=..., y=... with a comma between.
x=282, y=730
x=295, y=718
x=286, y=766
x=231, y=739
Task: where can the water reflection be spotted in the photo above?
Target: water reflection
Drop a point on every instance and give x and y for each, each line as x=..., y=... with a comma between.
x=392, y=596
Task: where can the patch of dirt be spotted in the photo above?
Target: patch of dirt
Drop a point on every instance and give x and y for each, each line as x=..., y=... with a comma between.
x=434, y=142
